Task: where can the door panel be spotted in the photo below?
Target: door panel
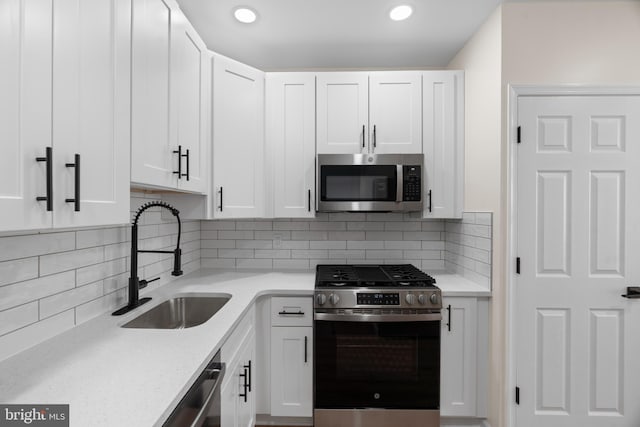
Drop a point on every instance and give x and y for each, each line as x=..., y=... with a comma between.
x=343, y=113
x=91, y=113
x=25, y=111
x=395, y=105
x=578, y=237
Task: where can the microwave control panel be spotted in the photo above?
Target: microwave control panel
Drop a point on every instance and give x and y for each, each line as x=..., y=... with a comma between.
x=411, y=186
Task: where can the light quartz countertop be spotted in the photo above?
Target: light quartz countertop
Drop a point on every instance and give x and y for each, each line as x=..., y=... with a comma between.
x=112, y=376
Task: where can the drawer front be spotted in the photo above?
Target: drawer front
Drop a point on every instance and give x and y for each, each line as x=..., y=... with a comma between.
x=291, y=311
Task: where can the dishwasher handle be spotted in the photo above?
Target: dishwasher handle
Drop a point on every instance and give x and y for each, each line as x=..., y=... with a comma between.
x=214, y=372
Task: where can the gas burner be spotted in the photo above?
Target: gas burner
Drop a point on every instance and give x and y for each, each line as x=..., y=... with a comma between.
x=372, y=276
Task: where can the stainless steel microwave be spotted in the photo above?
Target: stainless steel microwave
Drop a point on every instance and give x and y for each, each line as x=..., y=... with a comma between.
x=369, y=182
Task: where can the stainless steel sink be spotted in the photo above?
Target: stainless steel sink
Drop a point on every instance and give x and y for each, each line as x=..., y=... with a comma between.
x=179, y=313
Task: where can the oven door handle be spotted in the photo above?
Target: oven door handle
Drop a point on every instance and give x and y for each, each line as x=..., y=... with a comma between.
x=429, y=317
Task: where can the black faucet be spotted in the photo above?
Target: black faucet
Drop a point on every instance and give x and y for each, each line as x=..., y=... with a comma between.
x=136, y=284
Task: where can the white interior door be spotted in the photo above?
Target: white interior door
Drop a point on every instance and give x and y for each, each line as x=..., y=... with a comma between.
x=578, y=239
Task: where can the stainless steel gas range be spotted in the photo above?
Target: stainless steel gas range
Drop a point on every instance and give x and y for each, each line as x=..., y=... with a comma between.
x=377, y=346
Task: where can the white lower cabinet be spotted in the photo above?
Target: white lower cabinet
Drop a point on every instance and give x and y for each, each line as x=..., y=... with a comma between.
x=463, y=358
x=237, y=394
x=291, y=357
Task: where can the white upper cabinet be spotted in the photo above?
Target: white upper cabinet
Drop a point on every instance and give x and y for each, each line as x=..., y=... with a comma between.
x=395, y=112
x=290, y=141
x=153, y=119
x=377, y=112
x=25, y=112
x=170, y=96
x=238, y=140
x=343, y=113
x=193, y=75
x=65, y=90
x=443, y=143
x=91, y=111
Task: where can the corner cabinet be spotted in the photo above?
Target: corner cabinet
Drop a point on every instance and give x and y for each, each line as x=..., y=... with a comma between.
x=376, y=112
x=443, y=143
x=170, y=99
x=64, y=113
x=464, y=357
x=237, y=394
x=238, y=140
x=290, y=141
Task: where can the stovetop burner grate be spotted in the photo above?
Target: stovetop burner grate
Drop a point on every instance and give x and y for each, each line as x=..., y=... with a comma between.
x=400, y=275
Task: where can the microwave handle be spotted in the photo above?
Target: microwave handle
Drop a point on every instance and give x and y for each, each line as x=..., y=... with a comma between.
x=399, y=183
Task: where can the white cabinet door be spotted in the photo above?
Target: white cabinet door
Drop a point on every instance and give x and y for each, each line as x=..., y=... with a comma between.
x=343, y=112
x=458, y=361
x=247, y=405
x=395, y=112
x=290, y=138
x=291, y=371
x=443, y=139
x=229, y=400
x=154, y=100
x=238, y=140
x=192, y=73
x=91, y=111
x=25, y=111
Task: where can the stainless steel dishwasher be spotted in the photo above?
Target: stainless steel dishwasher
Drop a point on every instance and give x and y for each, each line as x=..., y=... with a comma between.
x=200, y=407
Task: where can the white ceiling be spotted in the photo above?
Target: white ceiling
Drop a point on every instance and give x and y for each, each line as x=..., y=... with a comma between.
x=295, y=34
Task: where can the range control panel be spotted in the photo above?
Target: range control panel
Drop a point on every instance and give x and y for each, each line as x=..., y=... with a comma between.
x=369, y=298
x=411, y=185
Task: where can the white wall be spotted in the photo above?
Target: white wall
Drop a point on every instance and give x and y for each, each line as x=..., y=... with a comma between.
x=481, y=61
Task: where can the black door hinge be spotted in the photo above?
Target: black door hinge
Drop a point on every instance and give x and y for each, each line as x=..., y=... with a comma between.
x=517, y=395
x=519, y=137
x=518, y=265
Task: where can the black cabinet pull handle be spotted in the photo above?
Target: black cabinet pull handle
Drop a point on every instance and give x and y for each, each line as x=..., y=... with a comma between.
x=48, y=158
x=429, y=200
x=76, y=195
x=374, y=136
x=187, y=156
x=449, y=321
x=306, y=342
x=291, y=313
x=248, y=377
x=363, y=136
x=220, y=207
x=309, y=202
x=244, y=385
x=179, y=153
x=633, y=292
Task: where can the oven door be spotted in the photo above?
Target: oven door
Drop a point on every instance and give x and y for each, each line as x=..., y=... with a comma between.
x=377, y=364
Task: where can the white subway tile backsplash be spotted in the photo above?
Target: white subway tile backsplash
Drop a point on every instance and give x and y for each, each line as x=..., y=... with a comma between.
x=402, y=226
x=66, y=278
x=218, y=244
x=218, y=225
x=291, y=225
x=254, y=225
x=18, y=270
x=384, y=254
x=294, y=244
x=64, y=261
x=468, y=247
x=16, y=247
x=384, y=235
x=254, y=244
x=365, y=226
x=347, y=235
x=344, y=254
x=218, y=263
x=403, y=244
x=310, y=254
x=365, y=244
x=309, y=235
x=272, y=253
x=291, y=264
x=18, y=317
x=235, y=253
x=69, y=299
x=328, y=244
x=348, y=216
x=237, y=235
x=327, y=226
x=273, y=235
x=254, y=263
x=32, y=290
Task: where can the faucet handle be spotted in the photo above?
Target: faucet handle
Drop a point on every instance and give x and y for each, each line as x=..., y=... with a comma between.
x=143, y=283
x=177, y=262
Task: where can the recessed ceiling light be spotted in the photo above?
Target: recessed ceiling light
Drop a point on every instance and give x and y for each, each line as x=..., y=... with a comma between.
x=245, y=15
x=400, y=13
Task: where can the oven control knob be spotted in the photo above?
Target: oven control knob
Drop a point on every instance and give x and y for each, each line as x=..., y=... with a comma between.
x=410, y=299
x=321, y=299
x=434, y=299
x=333, y=299
x=422, y=299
